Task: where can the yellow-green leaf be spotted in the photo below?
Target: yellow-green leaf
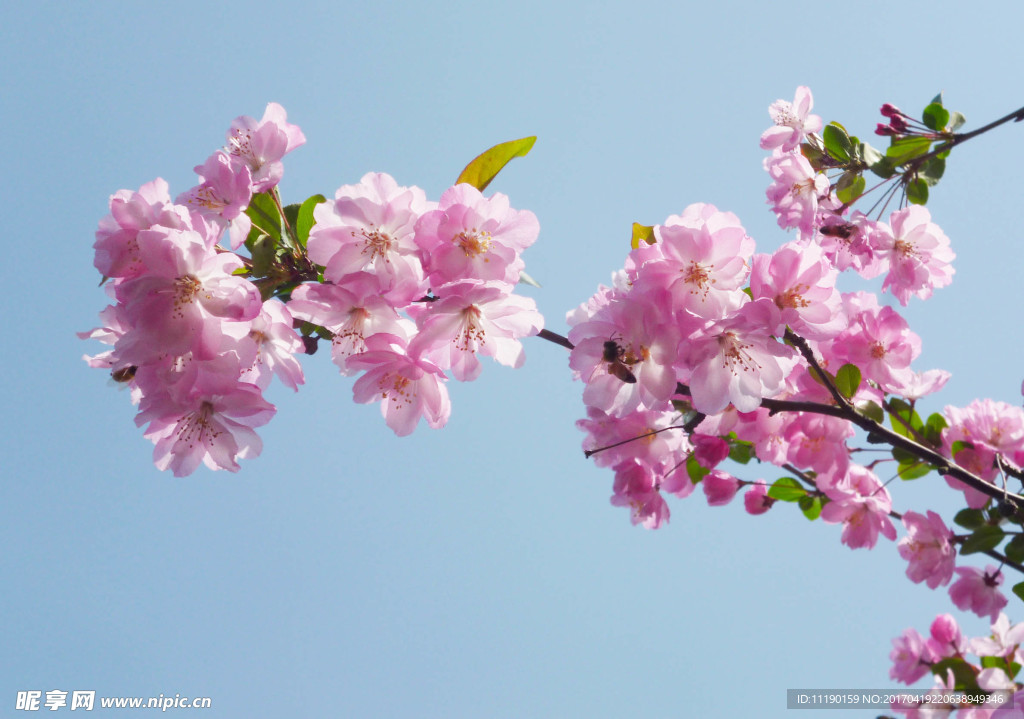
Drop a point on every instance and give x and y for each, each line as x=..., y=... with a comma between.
x=486, y=166
x=644, y=233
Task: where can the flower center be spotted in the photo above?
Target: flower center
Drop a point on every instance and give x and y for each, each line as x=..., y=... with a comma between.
x=376, y=243
x=473, y=242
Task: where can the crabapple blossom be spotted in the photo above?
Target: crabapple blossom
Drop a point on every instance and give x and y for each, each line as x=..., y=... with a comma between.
x=116, y=246
x=719, y=488
x=408, y=387
x=260, y=145
x=635, y=487
x=918, y=254
x=222, y=196
x=369, y=229
x=209, y=421
x=736, y=360
x=276, y=345
x=704, y=256
x=475, y=317
x=351, y=317
x=795, y=191
x=927, y=548
x=175, y=307
x=470, y=236
x=801, y=283
x=862, y=504
x=946, y=639
x=911, y=657
x=793, y=122
x=756, y=499
x=976, y=591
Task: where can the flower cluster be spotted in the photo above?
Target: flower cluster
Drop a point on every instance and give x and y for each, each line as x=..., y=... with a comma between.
x=982, y=690
x=194, y=340
x=413, y=289
x=406, y=290
x=697, y=314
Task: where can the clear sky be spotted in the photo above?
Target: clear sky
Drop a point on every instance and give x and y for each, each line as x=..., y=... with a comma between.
x=476, y=571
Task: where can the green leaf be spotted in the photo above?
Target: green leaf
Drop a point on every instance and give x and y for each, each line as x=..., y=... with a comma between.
x=814, y=156
x=1014, y=549
x=787, y=489
x=486, y=166
x=873, y=411
x=850, y=186
x=305, y=221
x=741, y=451
x=970, y=518
x=904, y=149
x=837, y=142
x=262, y=251
x=917, y=191
x=963, y=674
x=642, y=233
x=869, y=155
x=884, y=168
x=932, y=170
x=983, y=539
x=1018, y=589
x=933, y=429
x=902, y=416
x=935, y=117
x=810, y=506
x=264, y=215
x=913, y=470
x=694, y=468
x=848, y=380
x=956, y=121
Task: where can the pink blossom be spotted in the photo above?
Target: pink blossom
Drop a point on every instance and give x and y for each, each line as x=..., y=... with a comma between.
x=705, y=261
x=918, y=252
x=818, y=442
x=882, y=346
x=276, y=345
x=260, y=144
x=802, y=284
x=475, y=318
x=470, y=236
x=911, y=657
x=793, y=122
x=369, y=228
x=351, y=317
x=977, y=591
x=1004, y=639
x=719, y=488
x=710, y=451
x=637, y=437
x=795, y=191
x=928, y=549
x=848, y=244
x=223, y=195
x=117, y=250
x=625, y=354
x=736, y=360
x=408, y=387
x=946, y=638
x=210, y=420
x=756, y=499
x=862, y=504
x=1014, y=709
x=176, y=306
x=636, y=488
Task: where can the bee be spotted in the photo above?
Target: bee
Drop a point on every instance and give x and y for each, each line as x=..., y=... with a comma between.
x=843, y=232
x=618, y=365
x=124, y=374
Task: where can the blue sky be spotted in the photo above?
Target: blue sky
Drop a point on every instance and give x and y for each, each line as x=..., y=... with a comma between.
x=476, y=571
